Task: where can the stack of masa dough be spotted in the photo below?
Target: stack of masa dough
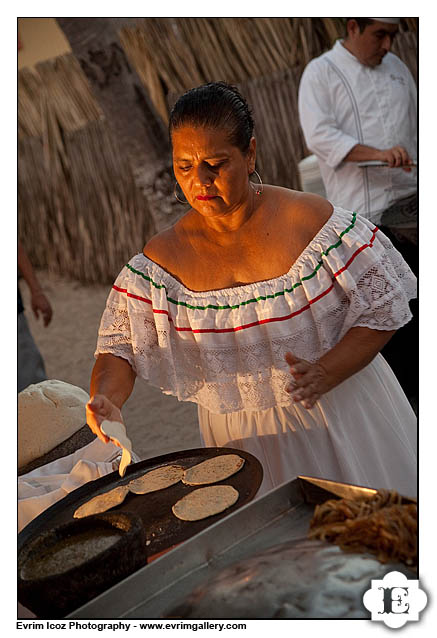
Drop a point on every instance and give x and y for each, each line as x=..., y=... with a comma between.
x=49, y=414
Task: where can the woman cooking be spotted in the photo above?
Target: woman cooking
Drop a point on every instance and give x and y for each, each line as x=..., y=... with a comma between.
x=268, y=308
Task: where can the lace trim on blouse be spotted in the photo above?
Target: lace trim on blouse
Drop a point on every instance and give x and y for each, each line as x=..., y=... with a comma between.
x=224, y=349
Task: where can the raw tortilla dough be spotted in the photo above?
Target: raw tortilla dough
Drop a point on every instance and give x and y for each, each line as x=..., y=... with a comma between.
x=213, y=470
x=117, y=432
x=102, y=502
x=204, y=502
x=157, y=479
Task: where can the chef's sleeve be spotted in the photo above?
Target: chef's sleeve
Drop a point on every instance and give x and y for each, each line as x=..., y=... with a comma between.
x=318, y=118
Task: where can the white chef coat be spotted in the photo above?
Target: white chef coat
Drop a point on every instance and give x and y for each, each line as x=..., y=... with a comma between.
x=343, y=103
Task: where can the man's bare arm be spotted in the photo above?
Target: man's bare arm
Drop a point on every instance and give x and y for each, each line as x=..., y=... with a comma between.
x=38, y=300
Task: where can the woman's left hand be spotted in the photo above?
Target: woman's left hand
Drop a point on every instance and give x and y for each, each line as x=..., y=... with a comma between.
x=309, y=380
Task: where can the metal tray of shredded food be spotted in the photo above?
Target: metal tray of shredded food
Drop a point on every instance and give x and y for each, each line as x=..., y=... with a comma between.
x=329, y=583
x=163, y=529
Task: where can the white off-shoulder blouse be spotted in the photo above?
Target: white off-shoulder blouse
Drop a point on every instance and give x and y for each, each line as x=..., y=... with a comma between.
x=224, y=349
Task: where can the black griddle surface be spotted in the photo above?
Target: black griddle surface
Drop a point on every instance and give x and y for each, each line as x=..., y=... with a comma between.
x=163, y=529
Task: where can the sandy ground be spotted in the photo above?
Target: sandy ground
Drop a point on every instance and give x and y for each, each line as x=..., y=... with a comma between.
x=156, y=424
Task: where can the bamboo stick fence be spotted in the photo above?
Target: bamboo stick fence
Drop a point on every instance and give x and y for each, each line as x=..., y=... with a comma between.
x=80, y=213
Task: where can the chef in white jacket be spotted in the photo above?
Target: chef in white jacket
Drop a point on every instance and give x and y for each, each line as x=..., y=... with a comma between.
x=358, y=103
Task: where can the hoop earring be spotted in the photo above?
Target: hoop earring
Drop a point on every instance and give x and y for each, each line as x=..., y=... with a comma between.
x=181, y=201
x=259, y=187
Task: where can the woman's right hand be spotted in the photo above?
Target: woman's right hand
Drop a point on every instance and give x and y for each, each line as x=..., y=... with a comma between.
x=98, y=409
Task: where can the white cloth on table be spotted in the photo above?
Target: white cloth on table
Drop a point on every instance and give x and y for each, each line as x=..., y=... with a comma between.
x=44, y=486
x=225, y=349
x=343, y=103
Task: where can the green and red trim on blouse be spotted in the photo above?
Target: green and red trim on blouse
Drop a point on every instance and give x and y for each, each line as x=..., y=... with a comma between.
x=256, y=299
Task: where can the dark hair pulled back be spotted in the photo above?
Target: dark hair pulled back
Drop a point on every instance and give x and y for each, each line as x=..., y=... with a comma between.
x=215, y=105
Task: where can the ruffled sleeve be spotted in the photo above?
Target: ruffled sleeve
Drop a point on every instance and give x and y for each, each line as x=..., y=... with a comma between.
x=115, y=335
x=225, y=349
x=367, y=271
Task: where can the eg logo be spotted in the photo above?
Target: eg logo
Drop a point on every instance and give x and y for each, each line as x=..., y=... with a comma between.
x=395, y=600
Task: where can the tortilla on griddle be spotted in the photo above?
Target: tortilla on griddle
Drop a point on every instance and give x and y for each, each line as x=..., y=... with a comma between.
x=157, y=479
x=213, y=470
x=204, y=502
x=102, y=502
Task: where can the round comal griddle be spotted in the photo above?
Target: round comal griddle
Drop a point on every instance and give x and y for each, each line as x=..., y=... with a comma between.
x=163, y=529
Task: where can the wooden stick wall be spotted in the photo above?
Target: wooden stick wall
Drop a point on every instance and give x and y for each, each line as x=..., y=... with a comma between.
x=80, y=213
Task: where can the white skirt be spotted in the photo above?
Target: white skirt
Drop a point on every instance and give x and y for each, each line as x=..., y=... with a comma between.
x=363, y=432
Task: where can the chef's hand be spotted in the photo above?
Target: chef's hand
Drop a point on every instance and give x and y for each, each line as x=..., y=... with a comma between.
x=98, y=409
x=397, y=157
x=309, y=380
